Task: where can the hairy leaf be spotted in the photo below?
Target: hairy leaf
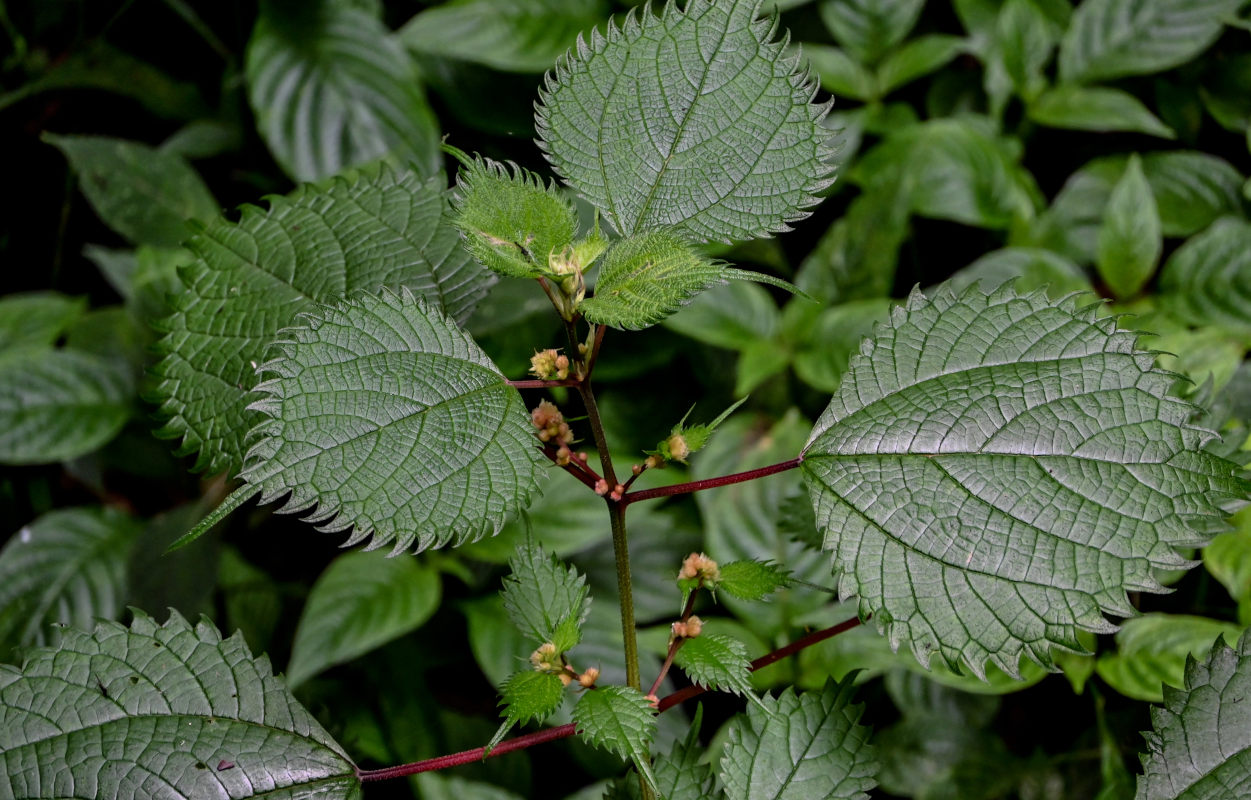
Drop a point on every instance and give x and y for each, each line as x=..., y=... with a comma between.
x=66, y=568
x=59, y=404
x=160, y=711
x=724, y=145
x=361, y=601
x=1207, y=281
x=503, y=34
x=996, y=471
x=526, y=696
x=1096, y=109
x=37, y=319
x=385, y=417
x=1114, y=38
x=331, y=89
x=751, y=580
x=358, y=233
x=1130, y=241
x=142, y=193
x=1200, y=745
x=869, y=29
x=619, y=719
x=716, y=661
x=644, y=279
x=680, y=773
x=1152, y=651
x=513, y=223
x=545, y=598
x=797, y=747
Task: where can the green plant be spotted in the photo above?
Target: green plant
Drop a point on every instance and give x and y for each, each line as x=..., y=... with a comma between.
x=996, y=468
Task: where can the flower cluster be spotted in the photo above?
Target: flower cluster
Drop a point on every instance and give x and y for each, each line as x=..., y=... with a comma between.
x=553, y=429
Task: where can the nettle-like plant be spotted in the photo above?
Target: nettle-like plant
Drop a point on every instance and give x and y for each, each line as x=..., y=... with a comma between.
x=992, y=477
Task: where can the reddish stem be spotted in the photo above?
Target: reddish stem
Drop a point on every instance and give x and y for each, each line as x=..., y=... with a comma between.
x=538, y=384
x=711, y=483
x=575, y=467
x=565, y=731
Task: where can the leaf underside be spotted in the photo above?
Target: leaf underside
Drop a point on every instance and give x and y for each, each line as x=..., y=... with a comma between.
x=1200, y=747
x=166, y=711
x=373, y=229
x=722, y=144
x=389, y=419
x=997, y=471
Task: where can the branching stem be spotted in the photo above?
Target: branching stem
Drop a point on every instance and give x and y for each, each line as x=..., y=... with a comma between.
x=710, y=483
x=565, y=731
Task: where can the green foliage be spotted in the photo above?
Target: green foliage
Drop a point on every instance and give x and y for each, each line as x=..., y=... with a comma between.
x=457, y=441
x=676, y=149
x=985, y=504
x=105, y=699
x=751, y=580
x=1189, y=753
x=331, y=90
x=1152, y=651
x=716, y=661
x=528, y=696
x=544, y=598
x=1096, y=109
x=369, y=230
x=800, y=746
x=361, y=601
x=1129, y=239
x=619, y=719
x=644, y=279
x=1203, y=281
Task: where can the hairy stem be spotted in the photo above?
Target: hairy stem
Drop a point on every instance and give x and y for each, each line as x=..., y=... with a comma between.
x=537, y=384
x=675, y=642
x=565, y=731
x=710, y=483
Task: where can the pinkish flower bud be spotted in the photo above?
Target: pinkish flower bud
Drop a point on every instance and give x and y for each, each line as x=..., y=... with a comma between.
x=698, y=566
x=587, y=679
x=601, y=487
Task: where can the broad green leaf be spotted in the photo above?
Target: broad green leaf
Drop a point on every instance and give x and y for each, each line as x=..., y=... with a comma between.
x=205, y=138
x=498, y=647
x=869, y=29
x=954, y=169
x=1096, y=109
x=821, y=359
x=997, y=471
x=619, y=719
x=526, y=696
x=840, y=73
x=59, y=404
x=544, y=598
x=734, y=316
x=331, y=89
x=801, y=746
x=1030, y=269
x=1207, y=281
x=361, y=602
x=505, y=35
x=1226, y=92
x=37, y=318
x=1228, y=559
x=716, y=661
x=916, y=59
x=645, y=278
x=372, y=229
x=1200, y=740
x=725, y=146
x=382, y=416
x=66, y=568
x=1114, y=38
x=856, y=257
x=1130, y=241
x=681, y=773
x=513, y=223
x=751, y=580
x=142, y=193
x=160, y=711
x=1018, y=53
x=253, y=601
x=1152, y=650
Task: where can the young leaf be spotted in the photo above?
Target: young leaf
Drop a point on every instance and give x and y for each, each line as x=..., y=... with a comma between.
x=142, y=193
x=683, y=441
x=681, y=773
x=59, y=404
x=916, y=59
x=619, y=719
x=37, y=319
x=544, y=598
x=751, y=580
x=360, y=602
x=1205, y=281
x=388, y=419
x=1152, y=651
x=512, y=222
x=717, y=661
x=1129, y=240
x=1201, y=737
x=1114, y=38
x=869, y=29
x=1096, y=109
x=332, y=89
x=362, y=232
x=802, y=746
x=229, y=727
x=66, y=568
x=1022, y=45
x=502, y=34
x=677, y=148
x=525, y=696
x=996, y=471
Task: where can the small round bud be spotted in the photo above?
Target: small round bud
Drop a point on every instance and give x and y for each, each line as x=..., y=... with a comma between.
x=588, y=678
x=565, y=678
x=653, y=700
x=694, y=626
x=653, y=462
x=601, y=487
x=698, y=566
x=637, y=469
x=678, y=448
